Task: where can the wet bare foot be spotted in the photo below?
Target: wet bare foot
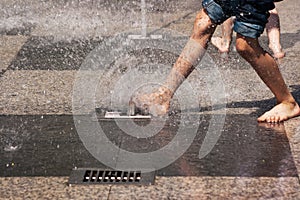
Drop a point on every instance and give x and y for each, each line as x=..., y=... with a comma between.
x=156, y=103
x=280, y=113
x=278, y=53
x=220, y=44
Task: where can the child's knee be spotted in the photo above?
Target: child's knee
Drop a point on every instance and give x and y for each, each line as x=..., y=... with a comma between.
x=242, y=46
x=249, y=48
x=202, y=25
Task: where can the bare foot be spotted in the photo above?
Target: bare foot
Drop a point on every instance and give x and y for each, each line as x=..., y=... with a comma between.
x=220, y=44
x=280, y=113
x=156, y=103
x=278, y=53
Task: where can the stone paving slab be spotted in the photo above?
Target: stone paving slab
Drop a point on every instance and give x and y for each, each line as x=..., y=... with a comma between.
x=292, y=128
x=36, y=92
x=50, y=92
x=165, y=188
x=48, y=188
x=242, y=149
x=9, y=47
x=212, y=188
x=289, y=15
x=44, y=53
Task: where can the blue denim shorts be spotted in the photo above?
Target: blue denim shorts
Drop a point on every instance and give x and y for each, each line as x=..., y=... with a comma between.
x=251, y=15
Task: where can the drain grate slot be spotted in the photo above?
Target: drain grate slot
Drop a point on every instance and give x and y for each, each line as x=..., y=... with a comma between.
x=100, y=176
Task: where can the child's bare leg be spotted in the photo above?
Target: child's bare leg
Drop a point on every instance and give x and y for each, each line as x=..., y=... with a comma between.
x=273, y=31
x=223, y=42
x=267, y=69
x=158, y=102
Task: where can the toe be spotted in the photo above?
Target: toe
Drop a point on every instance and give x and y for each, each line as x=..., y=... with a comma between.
x=267, y=118
x=277, y=119
x=262, y=118
x=272, y=119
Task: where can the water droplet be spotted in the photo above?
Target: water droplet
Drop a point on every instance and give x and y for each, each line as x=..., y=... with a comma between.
x=11, y=147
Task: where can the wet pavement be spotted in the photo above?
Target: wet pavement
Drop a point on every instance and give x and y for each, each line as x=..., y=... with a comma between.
x=33, y=146
x=45, y=45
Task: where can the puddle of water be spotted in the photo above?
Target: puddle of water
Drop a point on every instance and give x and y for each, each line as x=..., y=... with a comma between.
x=50, y=146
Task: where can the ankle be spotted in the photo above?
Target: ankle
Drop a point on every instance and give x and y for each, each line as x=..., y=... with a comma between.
x=291, y=102
x=276, y=48
x=165, y=91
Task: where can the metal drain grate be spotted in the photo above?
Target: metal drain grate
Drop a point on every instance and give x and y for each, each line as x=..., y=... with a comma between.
x=100, y=176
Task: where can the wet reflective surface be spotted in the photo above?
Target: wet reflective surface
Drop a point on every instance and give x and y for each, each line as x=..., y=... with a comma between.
x=50, y=146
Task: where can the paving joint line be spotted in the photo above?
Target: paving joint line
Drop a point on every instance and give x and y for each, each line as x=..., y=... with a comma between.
x=109, y=192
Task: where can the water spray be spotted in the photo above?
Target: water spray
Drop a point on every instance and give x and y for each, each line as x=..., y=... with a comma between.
x=144, y=34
